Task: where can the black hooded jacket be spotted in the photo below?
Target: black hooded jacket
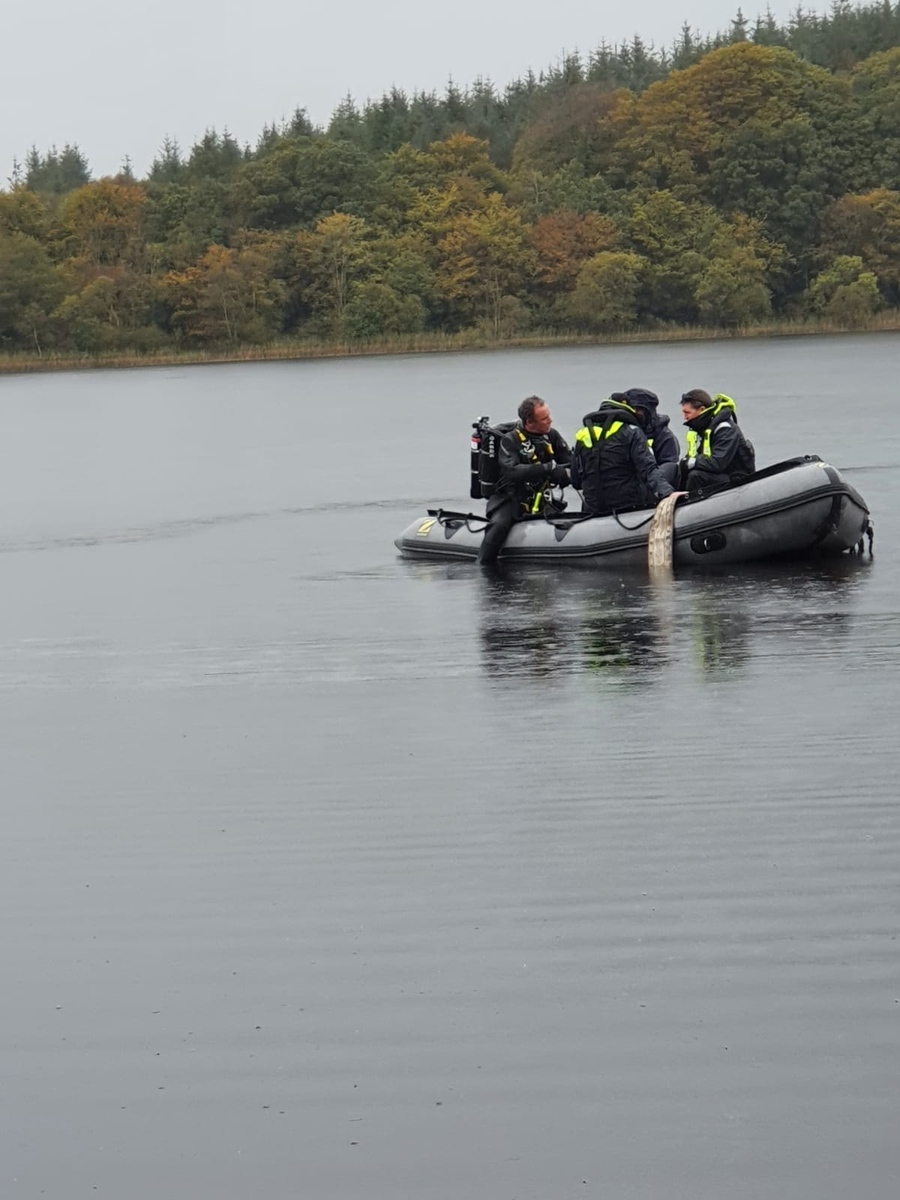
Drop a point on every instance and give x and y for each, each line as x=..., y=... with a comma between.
x=730, y=456
x=612, y=464
x=660, y=438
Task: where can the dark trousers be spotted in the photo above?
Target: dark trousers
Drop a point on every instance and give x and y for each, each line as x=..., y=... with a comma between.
x=705, y=480
x=503, y=510
x=671, y=473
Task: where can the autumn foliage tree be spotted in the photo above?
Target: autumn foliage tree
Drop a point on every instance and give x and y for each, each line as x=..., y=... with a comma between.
x=564, y=240
x=484, y=257
x=728, y=179
x=103, y=222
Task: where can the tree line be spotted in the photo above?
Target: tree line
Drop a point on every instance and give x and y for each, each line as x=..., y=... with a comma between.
x=722, y=182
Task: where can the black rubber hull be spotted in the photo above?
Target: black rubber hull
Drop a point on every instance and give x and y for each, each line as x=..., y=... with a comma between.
x=790, y=510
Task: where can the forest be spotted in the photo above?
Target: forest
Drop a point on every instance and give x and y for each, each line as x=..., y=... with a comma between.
x=723, y=182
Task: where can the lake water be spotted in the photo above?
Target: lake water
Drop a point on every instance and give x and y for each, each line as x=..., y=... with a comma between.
x=327, y=874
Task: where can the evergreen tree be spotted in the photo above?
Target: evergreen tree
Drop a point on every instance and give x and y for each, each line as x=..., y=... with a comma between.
x=58, y=171
x=167, y=166
x=346, y=120
x=739, y=27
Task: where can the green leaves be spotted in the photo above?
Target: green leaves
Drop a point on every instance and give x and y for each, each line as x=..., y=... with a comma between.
x=749, y=181
x=605, y=294
x=845, y=291
x=30, y=288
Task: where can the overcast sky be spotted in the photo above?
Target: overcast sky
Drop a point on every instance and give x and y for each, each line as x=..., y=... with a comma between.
x=116, y=78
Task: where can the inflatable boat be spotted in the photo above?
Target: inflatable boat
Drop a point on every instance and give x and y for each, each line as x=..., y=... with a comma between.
x=795, y=508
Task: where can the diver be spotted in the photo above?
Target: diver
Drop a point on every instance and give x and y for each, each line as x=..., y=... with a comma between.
x=533, y=458
x=718, y=453
x=612, y=464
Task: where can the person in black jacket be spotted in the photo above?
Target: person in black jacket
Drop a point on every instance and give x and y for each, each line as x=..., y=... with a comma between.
x=718, y=454
x=660, y=438
x=612, y=463
x=533, y=458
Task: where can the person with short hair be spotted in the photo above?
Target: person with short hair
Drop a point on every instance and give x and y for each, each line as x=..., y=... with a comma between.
x=718, y=453
x=533, y=458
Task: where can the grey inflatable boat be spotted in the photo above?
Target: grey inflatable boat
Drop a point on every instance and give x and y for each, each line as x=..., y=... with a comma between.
x=792, y=509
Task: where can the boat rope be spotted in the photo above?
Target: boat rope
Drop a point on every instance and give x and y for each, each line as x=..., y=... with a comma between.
x=661, y=535
x=632, y=528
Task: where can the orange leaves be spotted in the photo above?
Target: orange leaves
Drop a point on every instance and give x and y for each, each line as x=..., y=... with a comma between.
x=230, y=295
x=485, y=256
x=564, y=240
x=670, y=135
x=570, y=127
x=104, y=221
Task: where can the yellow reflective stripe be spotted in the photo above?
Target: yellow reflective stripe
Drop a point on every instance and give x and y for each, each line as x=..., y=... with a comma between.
x=537, y=502
x=584, y=434
x=693, y=443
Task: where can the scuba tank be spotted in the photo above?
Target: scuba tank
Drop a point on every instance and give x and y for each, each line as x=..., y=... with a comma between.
x=478, y=428
x=488, y=456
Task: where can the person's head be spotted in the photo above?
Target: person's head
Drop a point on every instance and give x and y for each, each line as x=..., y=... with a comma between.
x=535, y=415
x=644, y=402
x=694, y=402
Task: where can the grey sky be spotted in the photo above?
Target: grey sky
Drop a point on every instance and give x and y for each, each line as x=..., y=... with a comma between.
x=116, y=78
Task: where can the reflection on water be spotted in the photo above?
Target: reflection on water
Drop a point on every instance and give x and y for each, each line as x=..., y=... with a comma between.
x=631, y=627
x=325, y=864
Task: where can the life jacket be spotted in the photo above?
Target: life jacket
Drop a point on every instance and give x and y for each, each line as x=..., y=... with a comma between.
x=588, y=435
x=603, y=459
x=700, y=444
x=694, y=447
x=594, y=433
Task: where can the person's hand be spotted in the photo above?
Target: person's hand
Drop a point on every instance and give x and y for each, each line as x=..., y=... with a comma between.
x=560, y=476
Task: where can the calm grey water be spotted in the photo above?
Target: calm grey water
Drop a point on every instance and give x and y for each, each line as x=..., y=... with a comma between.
x=329, y=875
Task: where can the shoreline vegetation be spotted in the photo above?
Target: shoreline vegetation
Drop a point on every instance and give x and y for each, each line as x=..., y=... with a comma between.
x=294, y=350
x=746, y=184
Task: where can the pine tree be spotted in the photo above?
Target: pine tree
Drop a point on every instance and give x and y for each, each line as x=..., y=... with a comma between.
x=739, y=27
x=300, y=124
x=168, y=165
x=454, y=104
x=346, y=121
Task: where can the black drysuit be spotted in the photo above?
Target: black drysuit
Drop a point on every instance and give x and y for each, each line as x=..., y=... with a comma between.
x=529, y=464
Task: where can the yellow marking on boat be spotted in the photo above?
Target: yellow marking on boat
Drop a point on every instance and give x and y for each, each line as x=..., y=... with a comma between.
x=425, y=528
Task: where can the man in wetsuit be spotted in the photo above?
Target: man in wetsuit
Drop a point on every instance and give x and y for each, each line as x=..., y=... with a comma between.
x=533, y=457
